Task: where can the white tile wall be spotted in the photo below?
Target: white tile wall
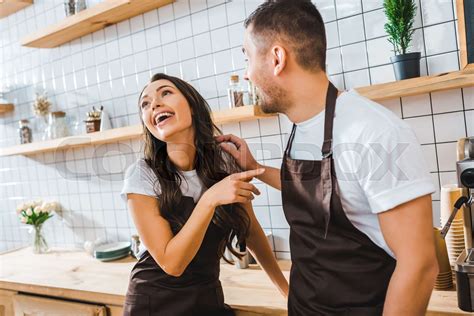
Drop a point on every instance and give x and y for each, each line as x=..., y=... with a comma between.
x=200, y=41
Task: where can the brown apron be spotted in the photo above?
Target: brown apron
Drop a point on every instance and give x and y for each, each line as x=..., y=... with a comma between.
x=336, y=269
x=197, y=291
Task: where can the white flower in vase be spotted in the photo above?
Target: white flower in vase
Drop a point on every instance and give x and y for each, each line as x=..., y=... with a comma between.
x=35, y=213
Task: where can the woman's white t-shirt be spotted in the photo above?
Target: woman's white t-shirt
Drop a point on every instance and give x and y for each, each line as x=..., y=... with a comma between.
x=140, y=179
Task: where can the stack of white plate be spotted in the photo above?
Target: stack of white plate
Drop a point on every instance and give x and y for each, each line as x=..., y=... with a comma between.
x=455, y=237
x=112, y=251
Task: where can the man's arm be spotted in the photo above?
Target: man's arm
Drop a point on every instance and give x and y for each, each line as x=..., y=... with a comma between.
x=258, y=245
x=238, y=148
x=408, y=231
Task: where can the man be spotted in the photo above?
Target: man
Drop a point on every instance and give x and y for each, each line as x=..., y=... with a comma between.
x=359, y=207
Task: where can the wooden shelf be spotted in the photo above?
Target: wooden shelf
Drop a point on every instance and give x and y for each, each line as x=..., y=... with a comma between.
x=453, y=80
x=8, y=7
x=421, y=85
x=90, y=20
x=6, y=107
x=239, y=114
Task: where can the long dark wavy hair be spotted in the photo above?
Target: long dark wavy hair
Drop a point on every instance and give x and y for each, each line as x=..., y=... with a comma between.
x=212, y=164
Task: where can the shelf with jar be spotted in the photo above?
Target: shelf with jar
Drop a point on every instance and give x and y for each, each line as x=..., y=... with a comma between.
x=6, y=107
x=8, y=7
x=420, y=85
x=89, y=20
x=457, y=79
x=236, y=114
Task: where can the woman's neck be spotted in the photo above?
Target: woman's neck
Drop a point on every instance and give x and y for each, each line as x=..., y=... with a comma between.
x=181, y=149
x=182, y=155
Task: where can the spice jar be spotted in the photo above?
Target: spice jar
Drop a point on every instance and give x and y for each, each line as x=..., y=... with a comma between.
x=57, y=125
x=25, y=132
x=235, y=92
x=93, y=120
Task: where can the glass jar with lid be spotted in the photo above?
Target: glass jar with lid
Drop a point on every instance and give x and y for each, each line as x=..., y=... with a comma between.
x=25, y=132
x=57, y=126
x=235, y=92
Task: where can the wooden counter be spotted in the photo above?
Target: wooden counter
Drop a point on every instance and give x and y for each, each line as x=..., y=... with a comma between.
x=75, y=275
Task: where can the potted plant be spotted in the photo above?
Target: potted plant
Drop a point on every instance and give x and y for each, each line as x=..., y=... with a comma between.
x=399, y=27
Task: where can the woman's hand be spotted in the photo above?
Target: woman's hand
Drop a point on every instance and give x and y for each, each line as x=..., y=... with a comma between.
x=234, y=188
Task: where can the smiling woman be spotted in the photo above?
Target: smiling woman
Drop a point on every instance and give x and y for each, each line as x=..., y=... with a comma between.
x=188, y=205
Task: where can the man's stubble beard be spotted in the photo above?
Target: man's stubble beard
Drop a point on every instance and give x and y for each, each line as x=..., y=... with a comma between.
x=273, y=99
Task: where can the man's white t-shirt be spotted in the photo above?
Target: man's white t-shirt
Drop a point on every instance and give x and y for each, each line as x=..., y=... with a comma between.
x=378, y=160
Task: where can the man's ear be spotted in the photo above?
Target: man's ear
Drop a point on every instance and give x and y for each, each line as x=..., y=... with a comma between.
x=279, y=57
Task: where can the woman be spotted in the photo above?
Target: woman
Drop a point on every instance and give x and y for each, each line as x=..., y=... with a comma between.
x=187, y=207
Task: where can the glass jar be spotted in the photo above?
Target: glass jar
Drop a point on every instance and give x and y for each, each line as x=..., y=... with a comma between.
x=69, y=7
x=57, y=126
x=80, y=5
x=253, y=97
x=25, y=132
x=235, y=92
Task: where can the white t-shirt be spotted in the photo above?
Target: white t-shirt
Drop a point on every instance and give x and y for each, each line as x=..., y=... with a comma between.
x=378, y=160
x=140, y=179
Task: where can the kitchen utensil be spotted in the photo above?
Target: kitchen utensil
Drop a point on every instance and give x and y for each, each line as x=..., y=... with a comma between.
x=464, y=265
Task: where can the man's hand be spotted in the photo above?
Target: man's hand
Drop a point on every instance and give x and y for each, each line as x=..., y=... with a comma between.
x=238, y=149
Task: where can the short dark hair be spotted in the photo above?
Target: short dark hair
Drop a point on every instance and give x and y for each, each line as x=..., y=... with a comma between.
x=299, y=23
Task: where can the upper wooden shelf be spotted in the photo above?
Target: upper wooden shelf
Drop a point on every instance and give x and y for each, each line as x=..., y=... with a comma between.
x=8, y=7
x=90, y=20
x=453, y=80
x=4, y=108
x=421, y=85
x=244, y=113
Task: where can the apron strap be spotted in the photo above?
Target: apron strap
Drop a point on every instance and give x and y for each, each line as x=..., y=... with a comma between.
x=326, y=163
x=329, y=120
x=290, y=140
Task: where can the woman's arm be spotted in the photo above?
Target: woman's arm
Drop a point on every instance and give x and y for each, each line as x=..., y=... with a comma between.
x=258, y=244
x=174, y=252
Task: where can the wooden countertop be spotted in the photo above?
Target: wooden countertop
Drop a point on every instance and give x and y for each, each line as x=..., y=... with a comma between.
x=76, y=275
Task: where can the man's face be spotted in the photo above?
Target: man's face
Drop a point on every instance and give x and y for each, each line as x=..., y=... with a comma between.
x=260, y=70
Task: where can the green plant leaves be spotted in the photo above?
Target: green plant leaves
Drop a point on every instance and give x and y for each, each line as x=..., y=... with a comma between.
x=36, y=219
x=400, y=15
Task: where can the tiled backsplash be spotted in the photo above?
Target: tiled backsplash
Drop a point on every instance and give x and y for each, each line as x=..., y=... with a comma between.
x=199, y=41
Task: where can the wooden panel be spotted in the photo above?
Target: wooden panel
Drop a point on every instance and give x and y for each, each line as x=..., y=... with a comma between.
x=243, y=113
x=4, y=108
x=461, y=32
x=113, y=310
x=29, y=305
x=465, y=13
x=6, y=303
x=8, y=7
x=415, y=86
x=90, y=20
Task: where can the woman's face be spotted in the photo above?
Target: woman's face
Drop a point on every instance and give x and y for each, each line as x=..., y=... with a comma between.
x=166, y=112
